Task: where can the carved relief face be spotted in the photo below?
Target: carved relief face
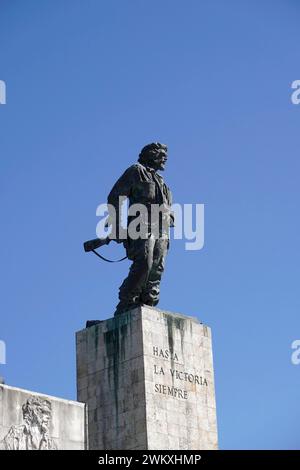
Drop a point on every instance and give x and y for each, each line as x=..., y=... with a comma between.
x=37, y=413
x=45, y=423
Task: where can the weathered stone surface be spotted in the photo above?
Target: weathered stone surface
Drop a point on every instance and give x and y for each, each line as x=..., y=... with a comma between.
x=147, y=378
x=33, y=421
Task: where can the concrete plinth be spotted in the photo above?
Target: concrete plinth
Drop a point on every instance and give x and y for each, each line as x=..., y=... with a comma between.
x=147, y=378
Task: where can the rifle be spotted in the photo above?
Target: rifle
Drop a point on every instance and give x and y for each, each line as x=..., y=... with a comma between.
x=92, y=245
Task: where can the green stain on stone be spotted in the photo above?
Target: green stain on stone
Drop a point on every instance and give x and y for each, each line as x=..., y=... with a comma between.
x=111, y=341
x=174, y=323
x=123, y=332
x=115, y=346
x=96, y=339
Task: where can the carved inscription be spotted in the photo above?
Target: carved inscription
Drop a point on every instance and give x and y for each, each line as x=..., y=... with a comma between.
x=178, y=378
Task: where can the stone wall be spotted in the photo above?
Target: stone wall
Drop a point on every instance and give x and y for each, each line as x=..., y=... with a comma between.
x=33, y=421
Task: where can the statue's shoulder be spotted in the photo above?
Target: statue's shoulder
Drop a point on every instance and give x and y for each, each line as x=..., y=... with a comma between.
x=136, y=167
x=133, y=170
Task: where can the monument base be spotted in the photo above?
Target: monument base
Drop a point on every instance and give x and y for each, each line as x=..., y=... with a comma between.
x=147, y=378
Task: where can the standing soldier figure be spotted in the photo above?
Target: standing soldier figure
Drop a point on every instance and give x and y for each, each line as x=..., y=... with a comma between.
x=141, y=184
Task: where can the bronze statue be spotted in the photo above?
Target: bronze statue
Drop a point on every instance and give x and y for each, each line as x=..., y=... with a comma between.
x=141, y=184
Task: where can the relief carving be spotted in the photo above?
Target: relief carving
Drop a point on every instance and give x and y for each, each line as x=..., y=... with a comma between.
x=33, y=433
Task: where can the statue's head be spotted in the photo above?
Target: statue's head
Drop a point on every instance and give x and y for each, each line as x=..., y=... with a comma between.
x=37, y=411
x=154, y=155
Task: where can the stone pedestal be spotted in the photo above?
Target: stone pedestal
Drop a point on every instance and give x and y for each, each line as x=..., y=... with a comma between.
x=147, y=378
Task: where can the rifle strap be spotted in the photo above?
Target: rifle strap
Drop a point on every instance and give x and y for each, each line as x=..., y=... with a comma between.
x=109, y=260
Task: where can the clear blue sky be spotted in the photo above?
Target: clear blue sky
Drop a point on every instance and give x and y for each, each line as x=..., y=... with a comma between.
x=88, y=84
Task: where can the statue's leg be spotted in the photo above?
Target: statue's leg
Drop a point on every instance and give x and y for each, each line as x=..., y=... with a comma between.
x=141, y=253
x=150, y=292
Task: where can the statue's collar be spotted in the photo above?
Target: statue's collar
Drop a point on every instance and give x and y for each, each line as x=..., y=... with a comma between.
x=152, y=170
